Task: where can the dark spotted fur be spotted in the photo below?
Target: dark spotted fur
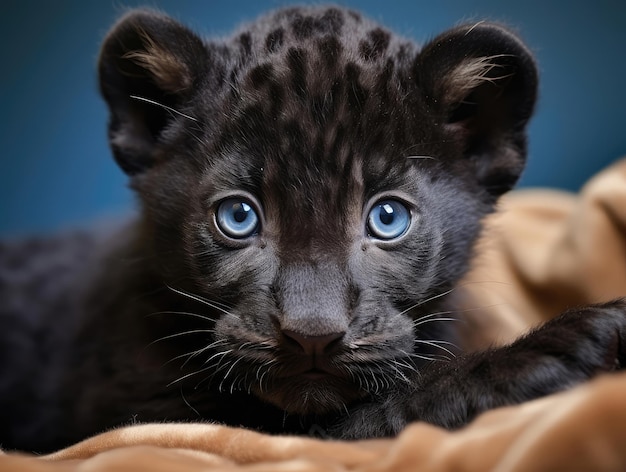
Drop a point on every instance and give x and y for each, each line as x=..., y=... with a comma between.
x=310, y=324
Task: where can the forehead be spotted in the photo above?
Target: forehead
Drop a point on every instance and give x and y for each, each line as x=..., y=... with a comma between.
x=317, y=95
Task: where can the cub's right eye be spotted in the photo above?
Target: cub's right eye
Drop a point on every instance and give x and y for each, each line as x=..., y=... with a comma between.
x=237, y=219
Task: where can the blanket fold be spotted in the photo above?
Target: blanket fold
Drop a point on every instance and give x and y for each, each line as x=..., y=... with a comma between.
x=542, y=252
x=545, y=251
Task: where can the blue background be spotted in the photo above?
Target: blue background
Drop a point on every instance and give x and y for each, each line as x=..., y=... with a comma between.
x=56, y=170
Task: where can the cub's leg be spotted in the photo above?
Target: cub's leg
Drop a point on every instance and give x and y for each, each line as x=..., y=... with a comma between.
x=563, y=352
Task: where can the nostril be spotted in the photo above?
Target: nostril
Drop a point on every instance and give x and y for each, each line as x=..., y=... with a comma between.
x=312, y=344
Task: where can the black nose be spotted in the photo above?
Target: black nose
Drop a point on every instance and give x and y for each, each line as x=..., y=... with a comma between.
x=312, y=344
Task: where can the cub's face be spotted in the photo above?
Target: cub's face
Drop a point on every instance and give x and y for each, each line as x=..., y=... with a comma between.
x=318, y=183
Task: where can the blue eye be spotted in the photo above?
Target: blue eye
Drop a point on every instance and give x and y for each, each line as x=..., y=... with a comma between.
x=388, y=219
x=237, y=219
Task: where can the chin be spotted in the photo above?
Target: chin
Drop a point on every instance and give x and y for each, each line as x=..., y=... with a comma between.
x=310, y=394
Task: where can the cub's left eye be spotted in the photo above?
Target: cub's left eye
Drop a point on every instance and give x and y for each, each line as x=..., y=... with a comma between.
x=237, y=219
x=388, y=219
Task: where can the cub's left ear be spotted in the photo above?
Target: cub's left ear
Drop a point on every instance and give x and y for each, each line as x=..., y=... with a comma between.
x=482, y=82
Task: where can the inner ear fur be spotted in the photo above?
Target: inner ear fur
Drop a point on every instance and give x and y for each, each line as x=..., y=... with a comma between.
x=147, y=58
x=483, y=82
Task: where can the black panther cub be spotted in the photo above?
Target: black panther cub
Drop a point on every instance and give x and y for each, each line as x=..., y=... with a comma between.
x=310, y=191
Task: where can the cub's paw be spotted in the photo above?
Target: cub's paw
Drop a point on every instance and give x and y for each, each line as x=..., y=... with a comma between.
x=591, y=339
x=377, y=419
x=608, y=325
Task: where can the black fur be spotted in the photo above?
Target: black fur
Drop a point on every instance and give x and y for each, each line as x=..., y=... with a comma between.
x=312, y=116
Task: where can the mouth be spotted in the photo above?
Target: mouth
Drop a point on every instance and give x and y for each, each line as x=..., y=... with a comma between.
x=310, y=389
x=311, y=368
x=315, y=375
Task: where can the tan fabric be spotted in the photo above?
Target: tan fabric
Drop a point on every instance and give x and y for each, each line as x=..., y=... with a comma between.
x=545, y=251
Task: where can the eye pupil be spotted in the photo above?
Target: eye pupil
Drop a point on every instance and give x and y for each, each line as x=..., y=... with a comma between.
x=386, y=214
x=240, y=212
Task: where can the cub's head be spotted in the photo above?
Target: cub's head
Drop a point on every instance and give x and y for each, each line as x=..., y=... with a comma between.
x=319, y=182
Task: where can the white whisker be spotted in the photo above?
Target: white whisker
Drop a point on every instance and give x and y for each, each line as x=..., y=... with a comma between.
x=179, y=379
x=185, y=313
x=170, y=109
x=196, y=353
x=204, y=301
x=399, y=373
x=428, y=358
x=231, y=367
x=170, y=336
x=436, y=344
x=220, y=354
x=422, y=321
x=187, y=403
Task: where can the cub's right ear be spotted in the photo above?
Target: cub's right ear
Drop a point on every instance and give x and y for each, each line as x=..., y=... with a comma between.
x=147, y=59
x=481, y=80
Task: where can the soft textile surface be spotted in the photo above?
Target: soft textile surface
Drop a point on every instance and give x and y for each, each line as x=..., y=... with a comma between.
x=544, y=252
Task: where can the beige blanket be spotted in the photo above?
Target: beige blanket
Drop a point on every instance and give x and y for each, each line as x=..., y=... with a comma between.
x=545, y=251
